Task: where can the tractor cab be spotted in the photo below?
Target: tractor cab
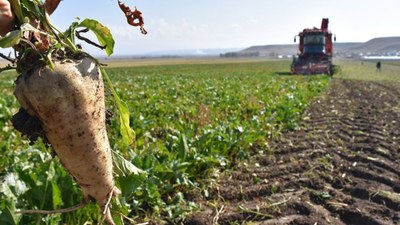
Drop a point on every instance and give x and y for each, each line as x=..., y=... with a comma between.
x=314, y=43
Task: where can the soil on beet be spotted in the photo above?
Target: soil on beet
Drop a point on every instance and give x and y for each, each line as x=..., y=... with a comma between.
x=341, y=167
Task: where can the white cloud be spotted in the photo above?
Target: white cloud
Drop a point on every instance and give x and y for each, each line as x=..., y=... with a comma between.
x=236, y=27
x=161, y=26
x=253, y=21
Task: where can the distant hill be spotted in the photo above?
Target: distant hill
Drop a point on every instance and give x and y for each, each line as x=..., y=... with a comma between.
x=376, y=46
x=272, y=50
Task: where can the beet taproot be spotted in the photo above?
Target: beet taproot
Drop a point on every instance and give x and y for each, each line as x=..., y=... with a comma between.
x=69, y=101
x=61, y=92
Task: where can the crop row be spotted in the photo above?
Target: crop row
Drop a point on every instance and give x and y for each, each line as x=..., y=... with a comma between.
x=191, y=122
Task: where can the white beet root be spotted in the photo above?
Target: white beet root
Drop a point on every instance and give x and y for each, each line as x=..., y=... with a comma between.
x=69, y=102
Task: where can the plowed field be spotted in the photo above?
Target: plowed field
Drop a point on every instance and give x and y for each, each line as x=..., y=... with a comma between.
x=342, y=166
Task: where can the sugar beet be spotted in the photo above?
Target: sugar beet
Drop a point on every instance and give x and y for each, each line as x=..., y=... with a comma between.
x=69, y=102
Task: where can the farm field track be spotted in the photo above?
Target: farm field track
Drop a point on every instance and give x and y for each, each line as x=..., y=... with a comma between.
x=340, y=167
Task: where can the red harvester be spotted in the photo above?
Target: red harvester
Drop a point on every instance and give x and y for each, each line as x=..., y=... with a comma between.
x=315, y=55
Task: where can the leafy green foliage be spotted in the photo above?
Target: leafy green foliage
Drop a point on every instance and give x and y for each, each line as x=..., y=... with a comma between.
x=122, y=167
x=11, y=39
x=127, y=133
x=27, y=11
x=191, y=122
x=102, y=33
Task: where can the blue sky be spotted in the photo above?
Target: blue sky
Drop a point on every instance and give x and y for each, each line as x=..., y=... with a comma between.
x=195, y=24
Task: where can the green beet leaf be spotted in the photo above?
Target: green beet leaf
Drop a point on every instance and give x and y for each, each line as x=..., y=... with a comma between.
x=127, y=133
x=11, y=39
x=102, y=33
x=123, y=167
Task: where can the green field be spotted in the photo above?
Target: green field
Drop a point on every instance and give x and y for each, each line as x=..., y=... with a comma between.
x=192, y=120
x=366, y=71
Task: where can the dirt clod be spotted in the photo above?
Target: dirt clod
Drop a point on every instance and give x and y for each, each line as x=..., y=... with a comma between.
x=28, y=125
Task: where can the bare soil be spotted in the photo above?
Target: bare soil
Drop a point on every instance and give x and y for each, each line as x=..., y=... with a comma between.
x=341, y=167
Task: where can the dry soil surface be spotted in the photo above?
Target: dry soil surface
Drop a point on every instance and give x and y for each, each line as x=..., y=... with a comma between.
x=341, y=167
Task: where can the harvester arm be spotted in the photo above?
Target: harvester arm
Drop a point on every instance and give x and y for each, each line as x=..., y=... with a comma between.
x=324, y=24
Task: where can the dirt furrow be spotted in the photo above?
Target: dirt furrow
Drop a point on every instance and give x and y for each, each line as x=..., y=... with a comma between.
x=340, y=167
